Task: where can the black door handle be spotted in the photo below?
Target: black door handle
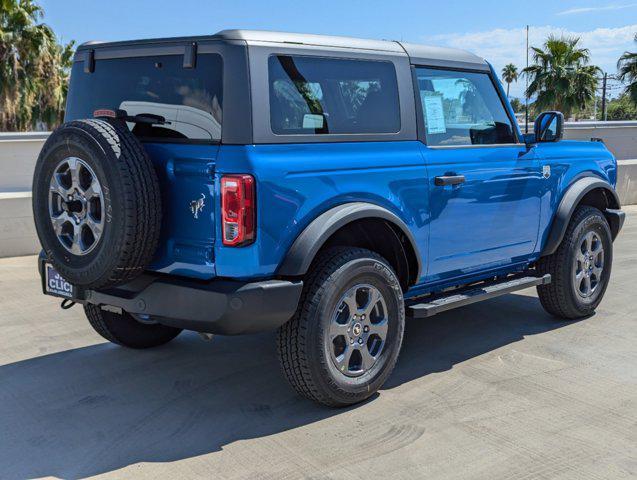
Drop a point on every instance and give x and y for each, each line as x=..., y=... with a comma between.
x=449, y=180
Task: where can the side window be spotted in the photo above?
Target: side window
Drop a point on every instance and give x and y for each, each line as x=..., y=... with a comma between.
x=317, y=95
x=462, y=108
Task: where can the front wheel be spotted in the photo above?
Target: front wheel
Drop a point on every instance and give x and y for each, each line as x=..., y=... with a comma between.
x=580, y=267
x=344, y=339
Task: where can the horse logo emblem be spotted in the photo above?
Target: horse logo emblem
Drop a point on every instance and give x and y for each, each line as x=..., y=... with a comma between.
x=196, y=206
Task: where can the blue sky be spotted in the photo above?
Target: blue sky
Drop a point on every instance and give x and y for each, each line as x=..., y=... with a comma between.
x=492, y=29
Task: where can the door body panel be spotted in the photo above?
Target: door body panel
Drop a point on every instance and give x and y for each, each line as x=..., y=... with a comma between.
x=489, y=221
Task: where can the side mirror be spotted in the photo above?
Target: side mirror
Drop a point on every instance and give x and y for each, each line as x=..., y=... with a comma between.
x=549, y=127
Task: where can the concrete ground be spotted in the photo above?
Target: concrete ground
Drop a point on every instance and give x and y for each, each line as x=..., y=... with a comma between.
x=494, y=390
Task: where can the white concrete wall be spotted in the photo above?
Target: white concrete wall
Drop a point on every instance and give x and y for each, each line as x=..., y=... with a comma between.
x=18, y=154
x=621, y=139
x=17, y=231
x=19, y=151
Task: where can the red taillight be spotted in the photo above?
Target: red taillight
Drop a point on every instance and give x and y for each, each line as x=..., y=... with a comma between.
x=237, y=209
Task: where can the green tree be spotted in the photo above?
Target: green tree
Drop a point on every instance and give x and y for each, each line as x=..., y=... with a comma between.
x=560, y=77
x=622, y=108
x=627, y=66
x=517, y=105
x=34, y=68
x=509, y=75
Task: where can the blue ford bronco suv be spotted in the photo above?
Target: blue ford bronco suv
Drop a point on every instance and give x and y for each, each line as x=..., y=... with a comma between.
x=327, y=187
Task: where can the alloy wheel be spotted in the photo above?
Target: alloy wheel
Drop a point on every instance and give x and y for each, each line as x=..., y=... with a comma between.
x=358, y=330
x=588, y=265
x=76, y=206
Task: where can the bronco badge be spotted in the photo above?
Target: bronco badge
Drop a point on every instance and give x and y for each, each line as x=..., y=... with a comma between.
x=196, y=206
x=546, y=171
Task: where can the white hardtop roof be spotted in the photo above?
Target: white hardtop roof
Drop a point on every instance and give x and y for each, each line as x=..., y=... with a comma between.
x=417, y=53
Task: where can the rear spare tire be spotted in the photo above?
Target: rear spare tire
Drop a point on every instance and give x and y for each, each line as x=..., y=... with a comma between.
x=96, y=203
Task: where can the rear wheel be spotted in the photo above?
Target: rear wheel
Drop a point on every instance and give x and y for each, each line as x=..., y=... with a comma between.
x=123, y=329
x=580, y=267
x=345, y=337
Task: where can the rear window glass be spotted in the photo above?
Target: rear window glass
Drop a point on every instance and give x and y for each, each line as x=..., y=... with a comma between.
x=190, y=99
x=315, y=95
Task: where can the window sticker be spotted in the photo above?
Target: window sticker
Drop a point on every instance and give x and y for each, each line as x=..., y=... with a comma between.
x=311, y=120
x=434, y=113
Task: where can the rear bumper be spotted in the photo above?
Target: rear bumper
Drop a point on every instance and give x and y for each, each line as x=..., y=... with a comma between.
x=224, y=307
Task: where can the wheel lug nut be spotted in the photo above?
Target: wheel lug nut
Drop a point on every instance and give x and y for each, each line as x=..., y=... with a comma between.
x=360, y=341
x=351, y=341
x=365, y=329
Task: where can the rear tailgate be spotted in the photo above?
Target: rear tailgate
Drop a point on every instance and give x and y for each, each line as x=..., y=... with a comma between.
x=186, y=98
x=186, y=175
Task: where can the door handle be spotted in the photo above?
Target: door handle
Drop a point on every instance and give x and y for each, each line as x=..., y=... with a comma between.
x=449, y=180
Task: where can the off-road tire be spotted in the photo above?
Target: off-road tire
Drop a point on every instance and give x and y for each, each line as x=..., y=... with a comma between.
x=559, y=298
x=301, y=348
x=132, y=202
x=123, y=329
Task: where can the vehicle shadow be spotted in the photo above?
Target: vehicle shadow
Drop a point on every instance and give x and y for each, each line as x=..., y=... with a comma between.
x=438, y=343
x=100, y=408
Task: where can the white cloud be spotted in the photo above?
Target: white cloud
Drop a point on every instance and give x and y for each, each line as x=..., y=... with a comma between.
x=502, y=46
x=573, y=11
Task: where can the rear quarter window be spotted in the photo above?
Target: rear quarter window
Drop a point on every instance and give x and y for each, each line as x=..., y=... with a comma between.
x=190, y=99
x=317, y=95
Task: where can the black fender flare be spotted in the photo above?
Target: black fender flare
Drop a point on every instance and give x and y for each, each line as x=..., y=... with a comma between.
x=302, y=252
x=571, y=199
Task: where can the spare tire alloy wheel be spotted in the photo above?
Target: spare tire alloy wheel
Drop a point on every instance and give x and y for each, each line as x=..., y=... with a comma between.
x=76, y=206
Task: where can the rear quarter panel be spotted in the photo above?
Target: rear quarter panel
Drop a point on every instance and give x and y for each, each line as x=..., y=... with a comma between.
x=297, y=182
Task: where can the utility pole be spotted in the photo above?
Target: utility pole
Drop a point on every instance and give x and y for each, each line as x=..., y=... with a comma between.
x=604, y=116
x=526, y=77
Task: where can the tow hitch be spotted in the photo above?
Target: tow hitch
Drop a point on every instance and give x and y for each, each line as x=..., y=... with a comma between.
x=66, y=304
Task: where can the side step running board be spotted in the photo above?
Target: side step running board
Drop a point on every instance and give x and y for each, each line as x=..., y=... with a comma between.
x=473, y=294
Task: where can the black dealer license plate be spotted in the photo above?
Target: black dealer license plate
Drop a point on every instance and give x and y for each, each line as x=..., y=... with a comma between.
x=54, y=284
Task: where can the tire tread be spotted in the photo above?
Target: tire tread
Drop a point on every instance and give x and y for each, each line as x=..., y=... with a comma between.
x=554, y=297
x=293, y=339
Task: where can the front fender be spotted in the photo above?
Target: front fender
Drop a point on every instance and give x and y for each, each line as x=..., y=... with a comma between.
x=571, y=199
x=313, y=237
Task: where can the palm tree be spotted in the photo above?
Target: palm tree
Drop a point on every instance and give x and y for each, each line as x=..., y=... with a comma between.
x=627, y=66
x=561, y=78
x=33, y=67
x=509, y=75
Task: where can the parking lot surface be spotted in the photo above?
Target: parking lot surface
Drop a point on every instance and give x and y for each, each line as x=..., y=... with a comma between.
x=494, y=390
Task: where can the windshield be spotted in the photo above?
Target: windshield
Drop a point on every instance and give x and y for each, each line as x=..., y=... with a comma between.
x=190, y=99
